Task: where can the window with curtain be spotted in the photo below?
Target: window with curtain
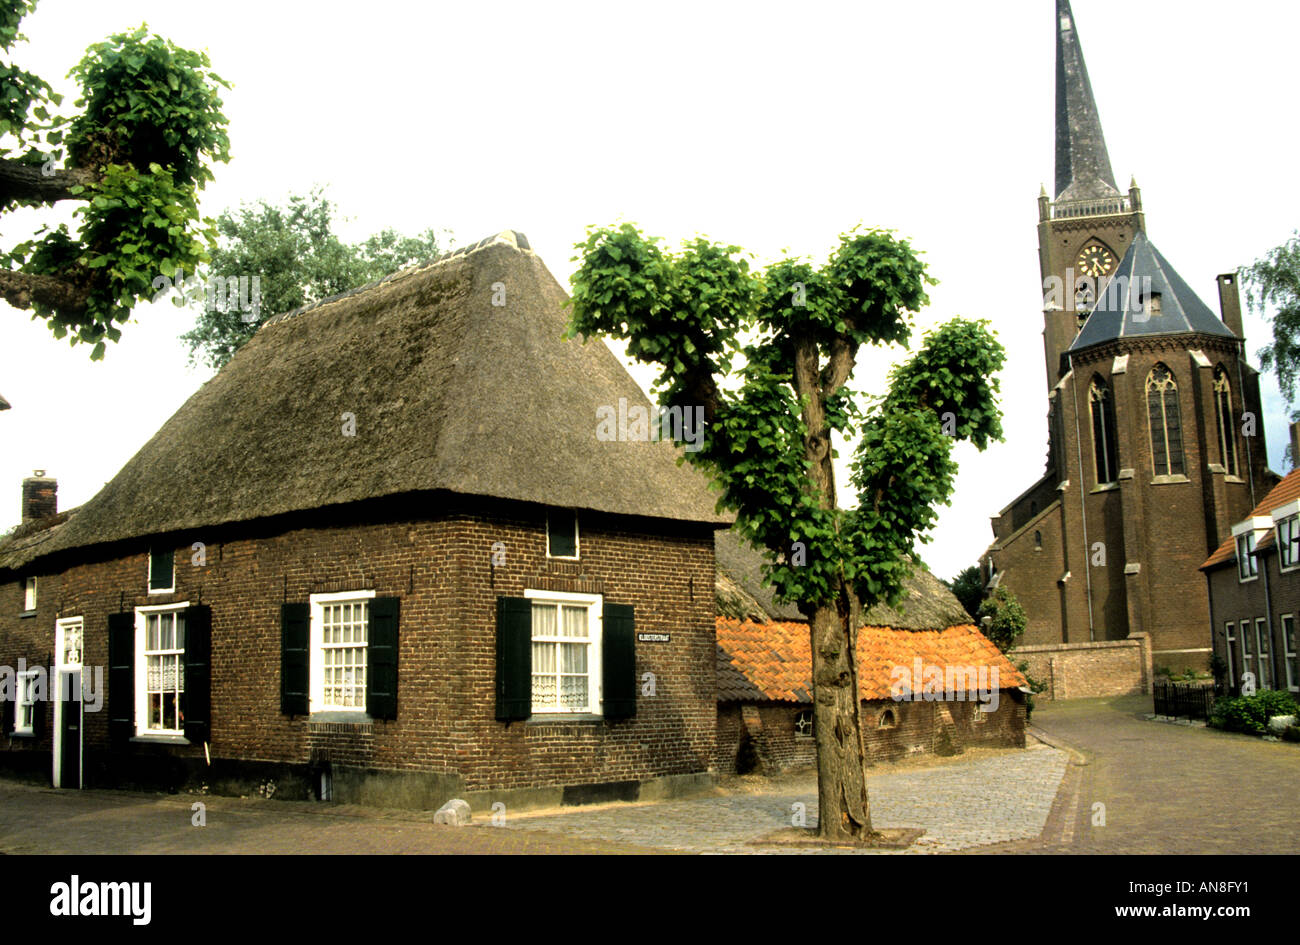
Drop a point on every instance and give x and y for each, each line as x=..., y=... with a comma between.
x=1165, y=422
x=563, y=661
x=1104, y=452
x=1224, y=421
x=164, y=653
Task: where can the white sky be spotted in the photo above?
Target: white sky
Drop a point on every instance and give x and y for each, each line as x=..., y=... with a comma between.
x=772, y=126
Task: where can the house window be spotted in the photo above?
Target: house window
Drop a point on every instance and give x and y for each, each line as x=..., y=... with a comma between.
x=566, y=652
x=68, y=637
x=1224, y=421
x=1247, y=651
x=28, y=695
x=1288, y=542
x=1230, y=633
x=340, y=633
x=803, y=723
x=1165, y=422
x=29, y=594
x=160, y=669
x=1103, y=432
x=162, y=572
x=1264, y=650
x=1288, y=641
x=1247, y=563
x=562, y=534
x=887, y=719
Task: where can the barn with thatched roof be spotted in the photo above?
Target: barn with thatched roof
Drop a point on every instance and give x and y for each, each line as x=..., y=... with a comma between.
x=382, y=555
x=930, y=682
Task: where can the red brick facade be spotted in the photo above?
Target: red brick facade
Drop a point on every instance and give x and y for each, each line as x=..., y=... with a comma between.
x=435, y=555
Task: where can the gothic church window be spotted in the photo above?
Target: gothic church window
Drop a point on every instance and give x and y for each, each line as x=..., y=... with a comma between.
x=1224, y=421
x=1165, y=422
x=1104, y=450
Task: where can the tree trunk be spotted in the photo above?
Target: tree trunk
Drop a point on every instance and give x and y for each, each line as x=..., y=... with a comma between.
x=33, y=182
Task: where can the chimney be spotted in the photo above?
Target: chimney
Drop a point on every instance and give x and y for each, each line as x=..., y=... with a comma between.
x=1230, y=303
x=1295, y=445
x=40, y=497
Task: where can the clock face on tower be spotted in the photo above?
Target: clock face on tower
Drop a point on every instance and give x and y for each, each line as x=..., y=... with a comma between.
x=1095, y=260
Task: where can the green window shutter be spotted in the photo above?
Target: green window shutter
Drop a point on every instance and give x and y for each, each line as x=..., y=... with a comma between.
x=381, y=658
x=161, y=569
x=295, y=634
x=196, y=702
x=618, y=658
x=121, y=676
x=514, y=659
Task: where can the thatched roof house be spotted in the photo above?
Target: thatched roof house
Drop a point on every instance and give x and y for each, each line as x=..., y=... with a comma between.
x=419, y=459
x=765, y=672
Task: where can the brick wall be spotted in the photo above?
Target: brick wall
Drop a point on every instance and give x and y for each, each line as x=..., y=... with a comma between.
x=435, y=555
x=1087, y=670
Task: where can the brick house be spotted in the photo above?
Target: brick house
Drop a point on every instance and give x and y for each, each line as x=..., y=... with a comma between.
x=382, y=556
x=1254, y=589
x=765, y=675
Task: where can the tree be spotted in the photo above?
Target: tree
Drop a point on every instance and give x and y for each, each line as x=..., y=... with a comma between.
x=794, y=332
x=1274, y=279
x=1007, y=619
x=137, y=154
x=296, y=257
x=968, y=588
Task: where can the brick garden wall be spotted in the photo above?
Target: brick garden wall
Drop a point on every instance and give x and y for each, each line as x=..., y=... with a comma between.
x=1087, y=670
x=436, y=559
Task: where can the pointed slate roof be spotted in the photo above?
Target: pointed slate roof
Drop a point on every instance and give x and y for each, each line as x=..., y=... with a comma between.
x=449, y=392
x=1082, y=162
x=1119, y=312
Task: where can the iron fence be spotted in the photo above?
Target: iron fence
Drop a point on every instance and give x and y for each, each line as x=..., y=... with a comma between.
x=1177, y=700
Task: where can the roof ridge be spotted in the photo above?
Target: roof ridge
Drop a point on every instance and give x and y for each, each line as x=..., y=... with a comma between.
x=509, y=237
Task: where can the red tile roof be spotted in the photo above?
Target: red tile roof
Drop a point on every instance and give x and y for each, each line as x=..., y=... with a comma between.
x=760, y=662
x=1288, y=490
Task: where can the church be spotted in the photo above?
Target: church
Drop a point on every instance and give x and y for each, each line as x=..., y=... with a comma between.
x=1155, y=442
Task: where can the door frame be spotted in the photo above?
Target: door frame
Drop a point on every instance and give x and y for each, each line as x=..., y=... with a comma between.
x=62, y=669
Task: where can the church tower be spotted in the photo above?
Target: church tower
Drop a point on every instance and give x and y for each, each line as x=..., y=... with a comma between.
x=1155, y=442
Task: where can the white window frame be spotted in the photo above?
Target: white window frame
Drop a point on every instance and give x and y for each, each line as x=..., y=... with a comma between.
x=1230, y=636
x=595, y=637
x=1288, y=648
x=1289, y=513
x=171, y=587
x=142, y=729
x=1265, y=660
x=61, y=628
x=577, y=540
x=21, y=702
x=1247, y=563
x=30, y=592
x=316, y=669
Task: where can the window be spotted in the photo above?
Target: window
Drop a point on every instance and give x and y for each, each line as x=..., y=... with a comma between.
x=1288, y=542
x=887, y=719
x=803, y=723
x=1151, y=305
x=1247, y=651
x=162, y=572
x=160, y=670
x=29, y=694
x=1224, y=421
x=1288, y=641
x=1264, y=650
x=68, y=642
x=1247, y=563
x=566, y=637
x=340, y=637
x=29, y=594
x=1103, y=432
x=1230, y=633
x=562, y=534
x=1165, y=422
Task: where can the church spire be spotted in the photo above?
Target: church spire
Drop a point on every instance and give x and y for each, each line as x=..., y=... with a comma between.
x=1082, y=164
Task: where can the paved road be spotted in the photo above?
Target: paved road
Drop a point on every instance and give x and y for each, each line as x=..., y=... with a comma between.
x=1167, y=788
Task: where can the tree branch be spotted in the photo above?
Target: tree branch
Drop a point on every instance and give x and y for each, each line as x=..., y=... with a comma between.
x=19, y=181
x=23, y=290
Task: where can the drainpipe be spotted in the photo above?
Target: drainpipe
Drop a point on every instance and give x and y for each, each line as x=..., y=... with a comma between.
x=1083, y=509
x=1259, y=422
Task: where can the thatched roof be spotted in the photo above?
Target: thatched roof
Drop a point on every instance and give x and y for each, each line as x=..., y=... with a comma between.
x=449, y=393
x=927, y=602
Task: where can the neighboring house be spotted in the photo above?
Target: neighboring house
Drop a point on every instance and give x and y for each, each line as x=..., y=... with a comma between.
x=1254, y=585
x=765, y=717
x=382, y=556
x=1155, y=437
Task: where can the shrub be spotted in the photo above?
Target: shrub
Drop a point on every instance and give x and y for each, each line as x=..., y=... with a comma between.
x=1250, y=714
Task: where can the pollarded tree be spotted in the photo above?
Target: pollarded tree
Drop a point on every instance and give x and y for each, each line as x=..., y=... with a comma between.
x=135, y=156
x=768, y=358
